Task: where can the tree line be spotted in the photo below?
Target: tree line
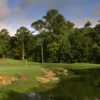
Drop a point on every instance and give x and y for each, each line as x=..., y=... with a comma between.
x=57, y=41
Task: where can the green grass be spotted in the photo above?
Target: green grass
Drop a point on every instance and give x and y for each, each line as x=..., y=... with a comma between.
x=20, y=87
x=72, y=65
x=17, y=89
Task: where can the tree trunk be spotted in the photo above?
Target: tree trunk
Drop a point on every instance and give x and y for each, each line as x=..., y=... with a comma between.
x=60, y=49
x=42, y=48
x=94, y=59
x=3, y=56
x=23, y=50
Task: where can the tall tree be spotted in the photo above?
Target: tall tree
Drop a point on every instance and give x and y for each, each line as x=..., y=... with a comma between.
x=4, y=37
x=55, y=23
x=21, y=33
x=39, y=25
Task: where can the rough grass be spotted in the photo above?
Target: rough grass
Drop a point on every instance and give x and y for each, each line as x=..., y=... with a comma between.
x=17, y=89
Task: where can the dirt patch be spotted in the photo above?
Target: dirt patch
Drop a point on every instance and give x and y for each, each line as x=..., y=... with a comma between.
x=3, y=63
x=22, y=77
x=6, y=80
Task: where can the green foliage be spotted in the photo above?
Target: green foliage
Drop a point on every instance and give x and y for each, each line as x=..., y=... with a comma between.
x=23, y=36
x=4, y=31
x=4, y=43
x=87, y=24
x=57, y=41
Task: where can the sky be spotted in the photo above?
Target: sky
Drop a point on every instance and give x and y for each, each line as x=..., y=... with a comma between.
x=17, y=13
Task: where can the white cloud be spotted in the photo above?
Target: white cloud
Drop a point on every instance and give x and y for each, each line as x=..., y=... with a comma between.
x=96, y=12
x=4, y=10
x=78, y=13
x=51, y=4
x=16, y=9
x=12, y=32
x=2, y=25
x=13, y=23
x=21, y=19
x=56, y=4
x=5, y=13
x=16, y=17
x=81, y=23
x=24, y=3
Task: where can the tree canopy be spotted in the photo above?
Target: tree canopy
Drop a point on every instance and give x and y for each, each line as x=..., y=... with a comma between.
x=58, y=41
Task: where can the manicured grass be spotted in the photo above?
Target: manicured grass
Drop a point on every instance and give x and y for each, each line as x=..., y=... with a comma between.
x=17, y=62
x=17, y=89
x=20, y=87
x=73, y=65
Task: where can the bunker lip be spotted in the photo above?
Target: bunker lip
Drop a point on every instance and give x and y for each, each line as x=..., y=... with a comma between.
x=4, y=63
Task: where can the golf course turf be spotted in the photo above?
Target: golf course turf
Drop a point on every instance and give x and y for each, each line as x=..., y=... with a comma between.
x=18, y=89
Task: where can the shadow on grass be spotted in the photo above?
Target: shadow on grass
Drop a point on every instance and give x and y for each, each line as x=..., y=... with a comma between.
x=70, y=89
x=86, y=87
x=12, y=95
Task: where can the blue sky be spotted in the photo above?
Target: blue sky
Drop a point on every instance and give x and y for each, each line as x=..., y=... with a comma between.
x=17, y=13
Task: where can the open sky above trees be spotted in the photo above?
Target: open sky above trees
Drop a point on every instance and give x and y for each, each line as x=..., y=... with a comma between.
x=17, y=13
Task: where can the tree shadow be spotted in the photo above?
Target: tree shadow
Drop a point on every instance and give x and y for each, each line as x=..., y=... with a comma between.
x=12, y=95
x=79, y=88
